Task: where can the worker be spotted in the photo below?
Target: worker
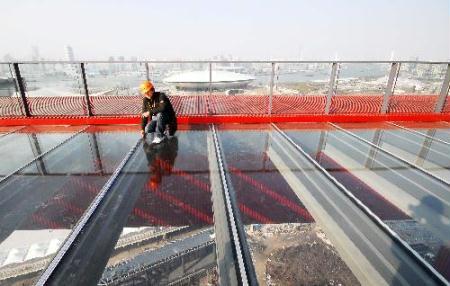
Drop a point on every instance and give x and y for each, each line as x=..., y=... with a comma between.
x=158, y=112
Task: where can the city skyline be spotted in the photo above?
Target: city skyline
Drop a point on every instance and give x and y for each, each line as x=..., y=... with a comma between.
x=264, y=30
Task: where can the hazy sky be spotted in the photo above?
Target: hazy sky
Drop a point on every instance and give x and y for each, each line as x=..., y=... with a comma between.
x=315, y=29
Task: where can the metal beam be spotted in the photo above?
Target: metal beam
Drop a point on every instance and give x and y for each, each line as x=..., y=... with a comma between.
x=332, y=86
x=36, y=149
x=227, y=267
x=210, y=78
x=21, y=86
x=241, y=61
x=373, y=151
x=393, y=74
x=271, y=84
x=246, y=271
x=425, y=149
x=86, y=90
x=444, y=92
x=147, y=71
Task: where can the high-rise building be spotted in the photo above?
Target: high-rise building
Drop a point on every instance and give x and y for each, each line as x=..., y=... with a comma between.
x=69, y=54
x=134, y=66
x=112, y=66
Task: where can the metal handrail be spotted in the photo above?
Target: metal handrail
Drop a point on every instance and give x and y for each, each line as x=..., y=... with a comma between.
x=231, y=61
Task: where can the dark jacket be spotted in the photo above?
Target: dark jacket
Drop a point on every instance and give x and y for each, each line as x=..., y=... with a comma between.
x=158, y=103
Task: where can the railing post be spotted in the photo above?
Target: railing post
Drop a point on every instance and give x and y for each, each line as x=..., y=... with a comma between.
x=147, y=72
x=444, y=92
x=272, y=77
x=21, y=87
x=331, y=89
x=210, y=78
x=86, y=90
x=393, y=75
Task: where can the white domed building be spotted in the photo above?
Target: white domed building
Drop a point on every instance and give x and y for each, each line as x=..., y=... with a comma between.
x=199, y=80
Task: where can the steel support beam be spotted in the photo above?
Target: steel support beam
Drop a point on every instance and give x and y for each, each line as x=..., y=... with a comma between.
x=332, y=87
x=227, y=266
x=246, y=271
x=443, y=95
x=393, y=75
x=86, y=90
x=21, y=86
x=210, y=78
x=271, y=85
x=147, y=72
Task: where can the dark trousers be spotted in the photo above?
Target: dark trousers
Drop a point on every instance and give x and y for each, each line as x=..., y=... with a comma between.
x=162, y=124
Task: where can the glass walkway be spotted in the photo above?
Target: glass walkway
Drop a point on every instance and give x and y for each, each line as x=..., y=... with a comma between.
x=226, y=204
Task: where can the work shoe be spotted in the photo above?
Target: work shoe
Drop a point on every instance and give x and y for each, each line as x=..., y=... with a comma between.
x=157, y=140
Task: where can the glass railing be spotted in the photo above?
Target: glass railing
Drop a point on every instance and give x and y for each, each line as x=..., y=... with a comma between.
x=199, y=88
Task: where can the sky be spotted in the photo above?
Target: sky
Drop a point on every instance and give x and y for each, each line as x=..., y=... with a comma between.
x=246, y=30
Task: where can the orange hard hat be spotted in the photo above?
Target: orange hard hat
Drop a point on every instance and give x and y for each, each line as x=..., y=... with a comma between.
x=146, y=86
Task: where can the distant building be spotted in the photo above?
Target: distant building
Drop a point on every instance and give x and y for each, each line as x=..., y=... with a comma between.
x=69, y=54
x=112, y=66
x=134, y=65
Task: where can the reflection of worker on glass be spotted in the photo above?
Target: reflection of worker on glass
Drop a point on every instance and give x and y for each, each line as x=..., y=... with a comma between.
x=157, y=107
x=161, y=159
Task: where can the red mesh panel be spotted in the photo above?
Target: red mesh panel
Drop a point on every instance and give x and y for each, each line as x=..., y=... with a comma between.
x=412, y=103
x=356, y=104
x=446, y=108
x=190, y=105
x=238, y=104
x=116, y=104
x=57, y=105
x=298, y=104
x=10, y=106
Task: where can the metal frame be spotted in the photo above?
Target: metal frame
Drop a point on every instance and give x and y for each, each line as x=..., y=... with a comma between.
x=227, y=267
x=86, y=90
x=393, y=75
x=332, y=86
x=245, y=265
x=444, y=92
x=21, y=86
x=210, y=79
x=271, y=85
x=220, y=61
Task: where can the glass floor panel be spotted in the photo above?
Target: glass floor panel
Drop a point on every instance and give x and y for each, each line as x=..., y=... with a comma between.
x=160, y=217
x=412, y=203
x=40, y=204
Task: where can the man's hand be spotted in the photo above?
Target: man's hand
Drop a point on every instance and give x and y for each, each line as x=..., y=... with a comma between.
x=143, y=133
x=146, y=114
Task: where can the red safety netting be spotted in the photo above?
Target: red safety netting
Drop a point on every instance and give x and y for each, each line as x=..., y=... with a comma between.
x=412, y=103
x=57, y=105
x=10, y=106
x=356, y=104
